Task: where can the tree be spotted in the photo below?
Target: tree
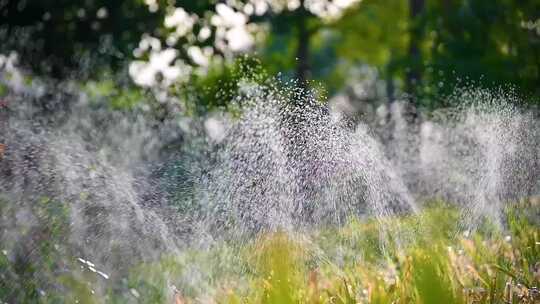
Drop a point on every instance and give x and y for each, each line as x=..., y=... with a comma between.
x=197, y=36
x=484, y=43
x=414, y=72
x=429, y=48
x=376, y=33
x=57, y=37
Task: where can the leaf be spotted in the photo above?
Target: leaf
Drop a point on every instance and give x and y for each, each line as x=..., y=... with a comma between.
x=512, y=275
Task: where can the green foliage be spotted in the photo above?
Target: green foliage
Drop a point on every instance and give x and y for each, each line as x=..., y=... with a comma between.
x=61, y=37
x=461, y=43
x=487, y=44
x=429, y=276
x=3, y=90
x=35, y=263
x=427, y=261
x=374, y=32
x=433, y=263
x=220, y=86
x=481, y=42
x=108, y=91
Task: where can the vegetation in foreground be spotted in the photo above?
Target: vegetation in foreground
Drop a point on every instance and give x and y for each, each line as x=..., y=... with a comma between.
x=435, y=264
x=433, y=261
x=425, y=258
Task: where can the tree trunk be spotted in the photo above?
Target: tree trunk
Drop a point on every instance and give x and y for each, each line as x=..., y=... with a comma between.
x=302, y=52
x=414, y=73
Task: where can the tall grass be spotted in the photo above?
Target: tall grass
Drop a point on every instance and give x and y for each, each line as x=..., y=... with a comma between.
x=435, y=264
x=423, y=258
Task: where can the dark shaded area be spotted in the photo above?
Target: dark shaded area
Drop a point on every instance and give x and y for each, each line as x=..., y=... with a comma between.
x=419, y=47
x=56, y=37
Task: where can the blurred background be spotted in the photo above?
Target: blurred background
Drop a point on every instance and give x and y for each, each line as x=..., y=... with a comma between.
x=123, y=141
x=374, y=51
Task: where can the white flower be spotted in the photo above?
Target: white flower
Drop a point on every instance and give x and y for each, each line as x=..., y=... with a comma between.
x=239, y=39
x=227, y=17
x=261, y=7
x=145, y=73
x=102, y=13
x=180, y=20
x=196, y=54
x=204, y=33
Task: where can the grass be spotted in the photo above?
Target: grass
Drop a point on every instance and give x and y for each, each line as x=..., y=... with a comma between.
x=425, y=258
x=434, y=266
